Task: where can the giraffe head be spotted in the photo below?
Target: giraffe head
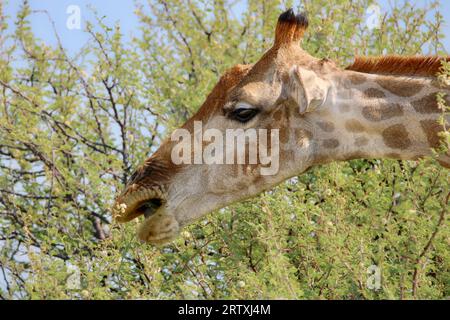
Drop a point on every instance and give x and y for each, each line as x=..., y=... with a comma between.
x=260, y=125
x=262, y=104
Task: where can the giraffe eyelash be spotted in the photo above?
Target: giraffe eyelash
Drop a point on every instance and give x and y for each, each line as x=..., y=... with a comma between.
x=243, y=112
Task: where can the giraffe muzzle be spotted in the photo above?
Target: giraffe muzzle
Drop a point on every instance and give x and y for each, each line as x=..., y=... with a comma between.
x=136, y=202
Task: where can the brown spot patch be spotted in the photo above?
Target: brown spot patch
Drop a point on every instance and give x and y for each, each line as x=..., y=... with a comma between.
x=354, y=125
x=277, y=115
x=330, y=143
x=427, y=104
x=396, y=137
x=356, y=78
x=382, y=112
x=361, y=141
x=326, y=126
x=402, y=88
x=431, y=129
x=284, y=135
x=374, y=93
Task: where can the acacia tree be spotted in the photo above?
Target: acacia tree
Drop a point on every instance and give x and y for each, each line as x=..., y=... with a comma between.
x=73, y=127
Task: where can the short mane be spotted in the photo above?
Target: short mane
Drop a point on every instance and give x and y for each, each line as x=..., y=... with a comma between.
x=399, y=65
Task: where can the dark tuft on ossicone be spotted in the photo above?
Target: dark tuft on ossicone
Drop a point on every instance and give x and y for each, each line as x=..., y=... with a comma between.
x=287, y=16
x=302, y=20
x=290, y=27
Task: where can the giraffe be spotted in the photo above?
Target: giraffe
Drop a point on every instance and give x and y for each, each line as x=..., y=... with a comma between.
x=381, y=107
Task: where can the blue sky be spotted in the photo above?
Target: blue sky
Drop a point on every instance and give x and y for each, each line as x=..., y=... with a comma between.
x=123, y=12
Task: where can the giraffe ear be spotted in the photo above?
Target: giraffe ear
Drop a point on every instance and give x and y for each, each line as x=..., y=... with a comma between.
x=307, y=89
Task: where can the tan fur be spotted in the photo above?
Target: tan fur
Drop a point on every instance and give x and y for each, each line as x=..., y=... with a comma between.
x=361, y=141
x=354, y=125
x=344, y=107
x=326, y=126
x=405, y=88
x=331, y=143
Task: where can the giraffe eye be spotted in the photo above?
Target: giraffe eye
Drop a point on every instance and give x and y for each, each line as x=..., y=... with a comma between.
x=243, y=113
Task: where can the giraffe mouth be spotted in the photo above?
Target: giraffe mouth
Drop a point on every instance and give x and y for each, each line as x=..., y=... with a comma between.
x=159, y=226
x=132, y=204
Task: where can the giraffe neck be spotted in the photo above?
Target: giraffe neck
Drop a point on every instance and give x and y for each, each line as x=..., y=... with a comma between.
x=378, y=116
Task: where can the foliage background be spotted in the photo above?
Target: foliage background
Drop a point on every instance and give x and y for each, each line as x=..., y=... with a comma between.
x=73, y=127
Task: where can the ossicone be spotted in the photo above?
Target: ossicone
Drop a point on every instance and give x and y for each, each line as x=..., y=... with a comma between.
x=290, y=27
